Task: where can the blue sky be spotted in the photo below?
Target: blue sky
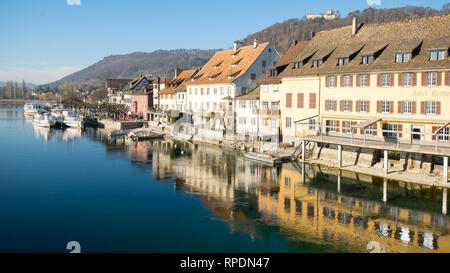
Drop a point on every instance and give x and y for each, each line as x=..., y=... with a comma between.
x=44, y=40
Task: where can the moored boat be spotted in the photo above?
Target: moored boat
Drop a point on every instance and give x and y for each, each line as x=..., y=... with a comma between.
x=264, y=158
x=31, y=109
x=44, y=120
x=72, y=120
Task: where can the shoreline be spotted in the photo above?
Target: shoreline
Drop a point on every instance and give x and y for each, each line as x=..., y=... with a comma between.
x=406, y=176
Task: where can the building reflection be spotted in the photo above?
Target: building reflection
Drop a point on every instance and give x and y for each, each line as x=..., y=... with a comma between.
x=305, y=203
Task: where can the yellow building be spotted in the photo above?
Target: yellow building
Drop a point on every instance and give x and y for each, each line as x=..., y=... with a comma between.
x=386, y=81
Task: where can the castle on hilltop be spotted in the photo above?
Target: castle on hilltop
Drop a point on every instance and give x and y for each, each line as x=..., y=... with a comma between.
x=329, y=16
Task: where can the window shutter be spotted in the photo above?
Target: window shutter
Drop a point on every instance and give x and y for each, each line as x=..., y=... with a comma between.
x=379, y=80
x=350, y=105
x=335, y=105
x=343, y=126
x=312, y=100
x=400, y=79
x=422, y=107
x=378, y=106
x=326, y=105
x=400, y=107
x=414, y=107
x=424, y=79
x=400, y=128
x=289, y=100
x=341, y=106
x=337, y=125
x=391, y=107
x=439, y=78
x=368, y=106
x=361, y=131
x=342, y=81
x=357, y=106
x=447, y=78
x=374, y=126
x=351, y=80
x=368, y=80
x=391, y=84
x=434, y=130
x=300, y=100
x=438, y=108
x=414, y=79
x=327, y=79
x=355, y=130
x=358, y=80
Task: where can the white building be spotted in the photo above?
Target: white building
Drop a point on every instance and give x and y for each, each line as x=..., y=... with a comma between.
x=247, y=113
x=229, y=73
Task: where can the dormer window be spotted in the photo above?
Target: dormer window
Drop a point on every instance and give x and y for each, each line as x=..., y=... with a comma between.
x=217, y=65
x=437, y=55
x=234, y=75
x=236, y=63
x=367, y=59
x=343, y=61
x=298, y=65
x=317, y=63
x=402, y=57
x=214, y=76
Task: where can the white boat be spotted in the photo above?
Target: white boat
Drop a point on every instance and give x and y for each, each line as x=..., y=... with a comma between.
x=265, y=158
x=44, y=120
x=57, y=114
x=72, y=120
x=31, y=109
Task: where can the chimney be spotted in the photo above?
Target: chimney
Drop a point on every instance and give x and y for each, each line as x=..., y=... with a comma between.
x=237, y=44
x=294, y=43
x=255, y=43
x=354, y=26
x=177, y=72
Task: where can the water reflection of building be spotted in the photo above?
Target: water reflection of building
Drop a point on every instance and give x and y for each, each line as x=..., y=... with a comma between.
x=346, y=222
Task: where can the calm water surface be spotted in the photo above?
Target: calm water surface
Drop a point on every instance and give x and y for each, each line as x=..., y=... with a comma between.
x=111, y=195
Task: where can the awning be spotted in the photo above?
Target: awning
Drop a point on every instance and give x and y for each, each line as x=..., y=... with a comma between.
x=365, y=124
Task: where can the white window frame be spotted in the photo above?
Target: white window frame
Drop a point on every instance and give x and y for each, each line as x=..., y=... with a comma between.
x=386, y=80
x=385, y=107
x=407, y=107
x=346, y=105
x=331, y=81
x=363, y=83
x=347, y=79
x=362, y=106
x=430, y=108
x=312, y=124
x=431, y=79
x=407, y=79
x=331, y=106
x=288, y=122
x=276, y=87
x=444, y=134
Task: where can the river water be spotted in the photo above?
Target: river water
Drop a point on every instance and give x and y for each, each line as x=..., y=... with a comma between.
x=112, y=195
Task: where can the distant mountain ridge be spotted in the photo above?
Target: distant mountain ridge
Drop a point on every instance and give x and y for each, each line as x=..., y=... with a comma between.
x=163, y=62
x=160, y=62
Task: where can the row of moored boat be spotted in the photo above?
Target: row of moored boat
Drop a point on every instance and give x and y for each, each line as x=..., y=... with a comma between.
x=45, y=116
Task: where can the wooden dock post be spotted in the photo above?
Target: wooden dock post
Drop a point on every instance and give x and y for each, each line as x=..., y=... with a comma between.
x=385, y=190
x=386, y=167
x=444, y=201
x=445, y=165
x=339, y=182
x=340, y=156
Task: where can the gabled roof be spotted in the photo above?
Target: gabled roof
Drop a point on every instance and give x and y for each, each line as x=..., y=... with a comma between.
x=131, y=86
x=290, y=54
x=211, y=73
x=116, y=83
x=253, y=95
x=414, y=36
x=179, y=83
